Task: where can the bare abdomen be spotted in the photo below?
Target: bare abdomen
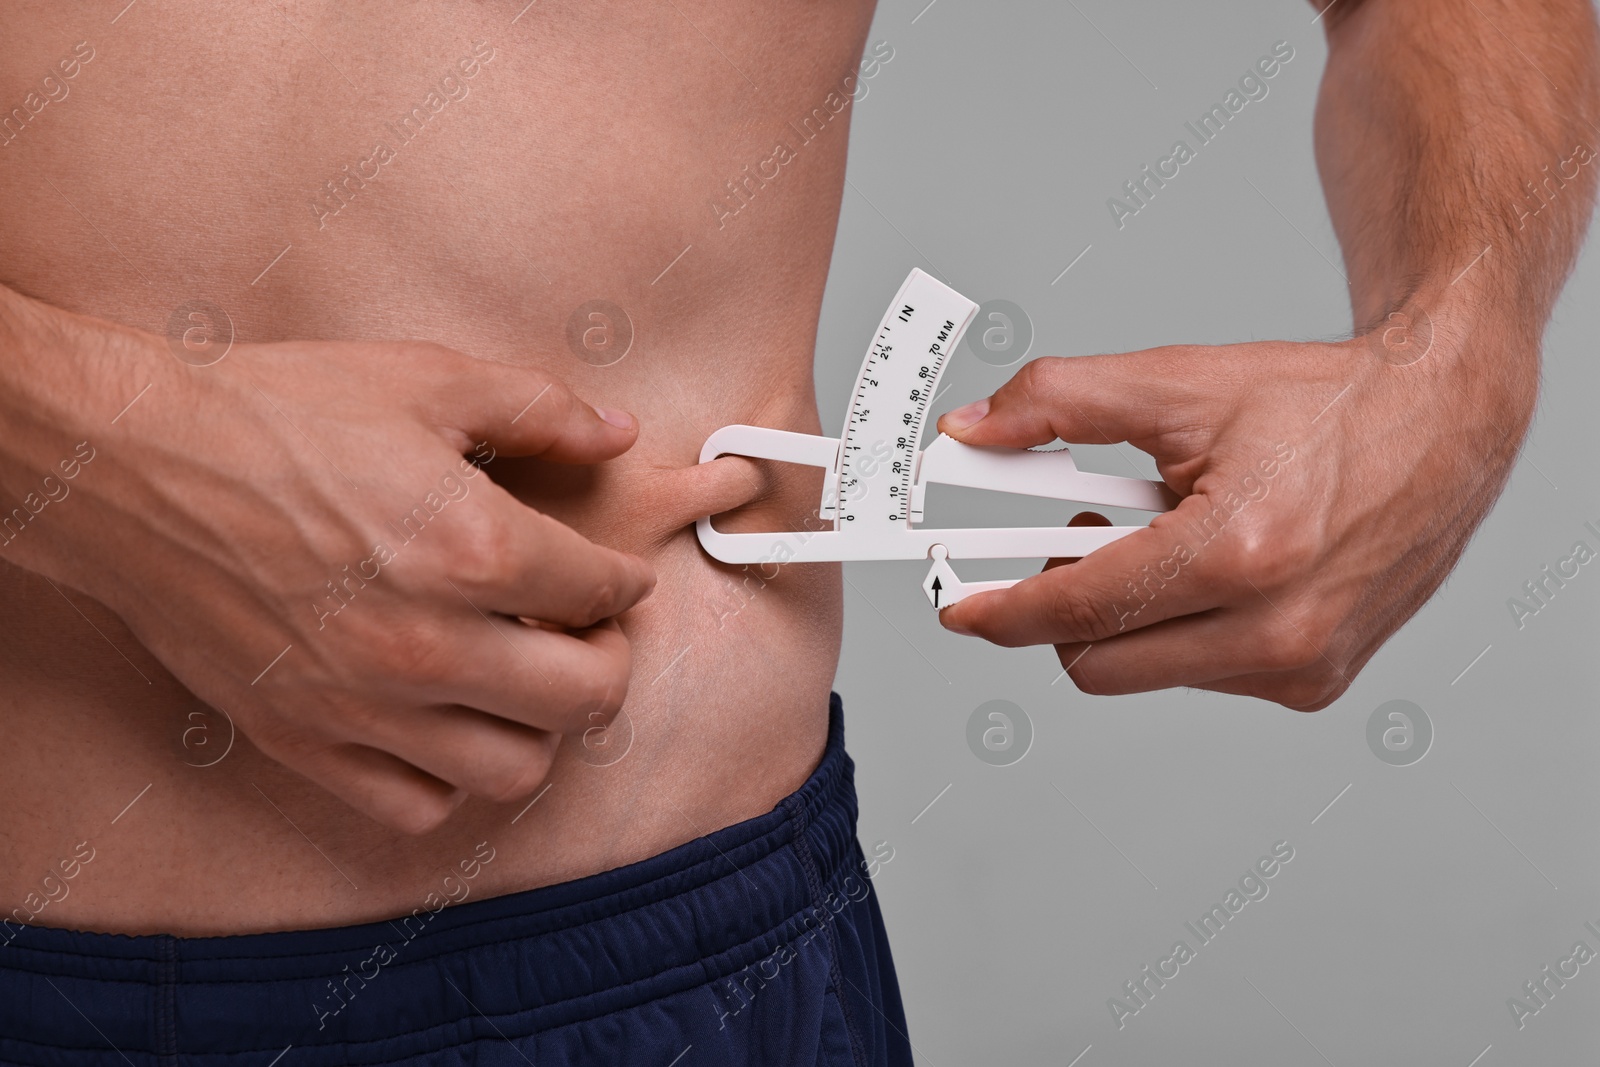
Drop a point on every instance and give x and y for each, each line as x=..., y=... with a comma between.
x=580, y=164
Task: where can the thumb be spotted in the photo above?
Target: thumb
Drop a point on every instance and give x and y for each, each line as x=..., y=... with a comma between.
x=524, y=412
x=1081, y=400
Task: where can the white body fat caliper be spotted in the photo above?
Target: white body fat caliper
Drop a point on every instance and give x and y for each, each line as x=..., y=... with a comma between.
x=877, y=476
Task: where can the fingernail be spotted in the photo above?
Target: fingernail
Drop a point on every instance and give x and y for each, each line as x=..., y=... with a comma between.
x=616, y=418
x=954, y=627
x=966, y=415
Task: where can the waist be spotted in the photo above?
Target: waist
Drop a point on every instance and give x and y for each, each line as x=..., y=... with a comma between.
x=532, y=962
x=723, y=717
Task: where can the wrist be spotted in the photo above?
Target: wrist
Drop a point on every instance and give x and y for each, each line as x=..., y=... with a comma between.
x=62, y=380
x=65, y=373
x=1452, y=343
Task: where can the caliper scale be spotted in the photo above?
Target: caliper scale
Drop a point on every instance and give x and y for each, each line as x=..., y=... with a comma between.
x=876, y=476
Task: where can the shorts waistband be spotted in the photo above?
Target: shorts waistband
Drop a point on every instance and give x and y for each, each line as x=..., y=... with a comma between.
x=527, y=962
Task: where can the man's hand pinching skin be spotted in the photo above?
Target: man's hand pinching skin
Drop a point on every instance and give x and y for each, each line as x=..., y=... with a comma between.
x=296, y=536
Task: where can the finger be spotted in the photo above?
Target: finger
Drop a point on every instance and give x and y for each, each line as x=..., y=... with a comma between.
x=1190, y=651
x=1228, y=651
x=561, y=682
x=1082, y=518
x=484, y=755
x=1088, y=399
x=380, y=786
x=1160, y=572
x=1288, y=689
x=519, y=411
x=507, y=558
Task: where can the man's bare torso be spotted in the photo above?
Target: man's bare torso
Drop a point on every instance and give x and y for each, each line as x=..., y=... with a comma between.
x=471, y=174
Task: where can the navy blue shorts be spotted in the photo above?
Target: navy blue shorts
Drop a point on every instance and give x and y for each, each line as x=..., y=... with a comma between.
x=760, y=944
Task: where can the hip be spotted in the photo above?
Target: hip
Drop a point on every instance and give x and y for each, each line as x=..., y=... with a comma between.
x=762, y=936
x=194, y=831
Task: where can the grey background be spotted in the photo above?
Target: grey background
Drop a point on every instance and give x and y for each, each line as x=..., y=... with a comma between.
x=1024, y=897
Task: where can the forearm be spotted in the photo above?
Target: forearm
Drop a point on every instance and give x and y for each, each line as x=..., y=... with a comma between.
x=1457, y=148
